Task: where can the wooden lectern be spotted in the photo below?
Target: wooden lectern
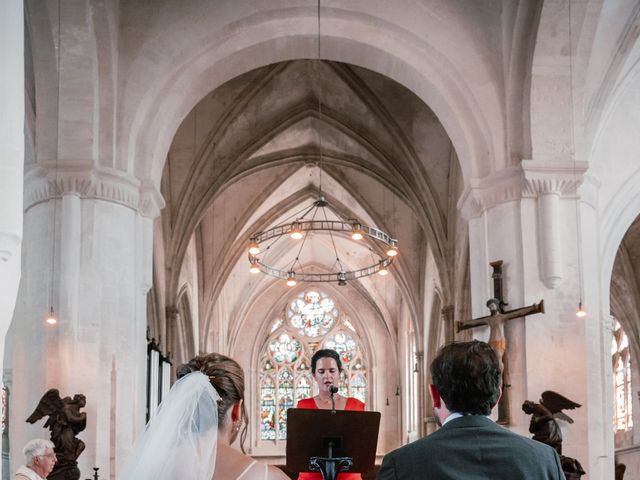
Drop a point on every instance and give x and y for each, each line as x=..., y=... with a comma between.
x=331, y=441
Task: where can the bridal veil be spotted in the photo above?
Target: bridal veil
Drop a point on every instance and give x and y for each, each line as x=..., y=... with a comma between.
x=180, y=441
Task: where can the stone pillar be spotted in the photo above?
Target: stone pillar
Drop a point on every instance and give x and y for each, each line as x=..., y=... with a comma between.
x=449, y=324
x=174, y=337
x=11, y=157
x=512, y=219
x=87, y=252
x=421, y=389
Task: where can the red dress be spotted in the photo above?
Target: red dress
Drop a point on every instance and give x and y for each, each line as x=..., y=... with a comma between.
x=352, y=404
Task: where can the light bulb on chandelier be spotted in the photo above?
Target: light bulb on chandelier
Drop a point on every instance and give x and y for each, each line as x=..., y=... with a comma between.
x=254, y=268
x=357, y=232
x=254, y=249
x=295, y=232
x=580, y=313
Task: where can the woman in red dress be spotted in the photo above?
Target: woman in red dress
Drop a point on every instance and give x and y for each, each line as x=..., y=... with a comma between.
x=326, y=368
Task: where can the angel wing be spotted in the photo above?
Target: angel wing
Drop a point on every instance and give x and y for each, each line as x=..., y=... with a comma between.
x=556, y=403
x=49, y=404
x=532, y=408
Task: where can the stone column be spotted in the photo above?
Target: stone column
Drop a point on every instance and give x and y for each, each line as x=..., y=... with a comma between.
x=449, y=325
x=11, y=157
x=173, y=336
x=87, y=252
x=511, y=219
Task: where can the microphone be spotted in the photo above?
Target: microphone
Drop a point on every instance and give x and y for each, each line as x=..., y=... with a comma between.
x=333, y=389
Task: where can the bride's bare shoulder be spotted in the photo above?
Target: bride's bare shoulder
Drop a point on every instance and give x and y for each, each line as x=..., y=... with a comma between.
x=231, y=463
x=276, y=474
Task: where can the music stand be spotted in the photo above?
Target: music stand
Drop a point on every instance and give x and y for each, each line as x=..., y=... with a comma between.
x=331, y=441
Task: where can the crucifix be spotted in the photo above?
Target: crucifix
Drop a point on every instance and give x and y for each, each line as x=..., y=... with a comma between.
x=496, y=320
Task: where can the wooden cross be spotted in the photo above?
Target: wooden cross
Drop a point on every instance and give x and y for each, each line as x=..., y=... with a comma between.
x=496, y=321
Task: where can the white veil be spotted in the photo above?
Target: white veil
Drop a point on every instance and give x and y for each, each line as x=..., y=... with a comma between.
x=180, y=441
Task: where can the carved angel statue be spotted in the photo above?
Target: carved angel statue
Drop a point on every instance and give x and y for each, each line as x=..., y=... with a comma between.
x=65, y=422
x=543, y=423
x=545, y=428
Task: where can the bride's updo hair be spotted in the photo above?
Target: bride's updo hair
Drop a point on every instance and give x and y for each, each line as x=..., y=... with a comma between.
x=227, y=377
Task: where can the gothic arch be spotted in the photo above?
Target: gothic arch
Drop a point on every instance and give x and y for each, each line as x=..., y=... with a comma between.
x=265, y=319
x=348, y=37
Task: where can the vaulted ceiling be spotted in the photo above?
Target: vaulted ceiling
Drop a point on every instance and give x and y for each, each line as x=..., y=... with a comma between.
x=254, y=151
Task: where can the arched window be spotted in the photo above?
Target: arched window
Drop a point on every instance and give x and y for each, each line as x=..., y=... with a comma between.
x=622, y=392
x=310, y=321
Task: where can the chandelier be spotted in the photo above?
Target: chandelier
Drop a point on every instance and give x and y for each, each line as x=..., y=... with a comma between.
x=382, y=253
x=382, y=247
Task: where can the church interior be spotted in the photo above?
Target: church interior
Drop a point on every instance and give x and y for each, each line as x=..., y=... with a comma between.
x=146, y=144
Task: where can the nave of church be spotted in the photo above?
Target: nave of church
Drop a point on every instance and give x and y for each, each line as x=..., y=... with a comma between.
x=144, y=144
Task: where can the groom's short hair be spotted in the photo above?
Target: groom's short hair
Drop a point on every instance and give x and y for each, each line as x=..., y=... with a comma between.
x=468, y=377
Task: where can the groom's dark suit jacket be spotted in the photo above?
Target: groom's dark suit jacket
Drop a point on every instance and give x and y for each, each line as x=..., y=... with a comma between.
x=472, y=448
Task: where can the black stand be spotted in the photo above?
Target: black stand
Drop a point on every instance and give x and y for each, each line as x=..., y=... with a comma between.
x=331, y=441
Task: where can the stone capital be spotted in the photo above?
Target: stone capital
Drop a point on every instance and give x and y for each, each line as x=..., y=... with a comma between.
x=447, y=312
x=151, y=201
x=487, y=192
x=529, y=179
x=48, y=180
x=560, y=178
x=172, y=313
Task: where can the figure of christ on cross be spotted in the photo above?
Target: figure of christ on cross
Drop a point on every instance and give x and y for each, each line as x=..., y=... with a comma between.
x=496, y=321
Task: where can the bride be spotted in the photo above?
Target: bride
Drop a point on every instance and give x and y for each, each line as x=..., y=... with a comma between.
x=190, y=437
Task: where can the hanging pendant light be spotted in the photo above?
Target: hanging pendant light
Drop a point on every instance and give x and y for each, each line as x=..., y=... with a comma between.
x=314, y=219
x=580, y=312
x=51, y=318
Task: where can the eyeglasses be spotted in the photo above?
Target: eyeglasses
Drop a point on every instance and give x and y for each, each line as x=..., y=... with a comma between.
x=52, y=454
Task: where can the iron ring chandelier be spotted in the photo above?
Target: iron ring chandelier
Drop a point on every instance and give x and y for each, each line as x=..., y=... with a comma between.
x=298, y=230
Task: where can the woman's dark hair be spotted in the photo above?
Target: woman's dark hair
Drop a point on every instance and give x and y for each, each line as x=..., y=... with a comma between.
x=468, y=377
x=227, y=377
x=325, y=353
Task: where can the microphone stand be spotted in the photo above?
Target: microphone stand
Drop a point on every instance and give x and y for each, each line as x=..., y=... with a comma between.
x=330, y=466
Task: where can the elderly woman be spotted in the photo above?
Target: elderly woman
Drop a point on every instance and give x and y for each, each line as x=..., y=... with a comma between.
x=40, y=460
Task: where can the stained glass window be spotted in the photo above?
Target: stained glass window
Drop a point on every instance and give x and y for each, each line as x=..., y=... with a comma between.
x=344, y=344
x=285, y=400
x=622, y=395
x=359, y=387
x=313, y=313
x=312, y=321
x=285, y=349
x=267, y=408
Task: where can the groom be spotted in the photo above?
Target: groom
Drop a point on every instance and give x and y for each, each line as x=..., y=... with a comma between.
x=466, y=387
